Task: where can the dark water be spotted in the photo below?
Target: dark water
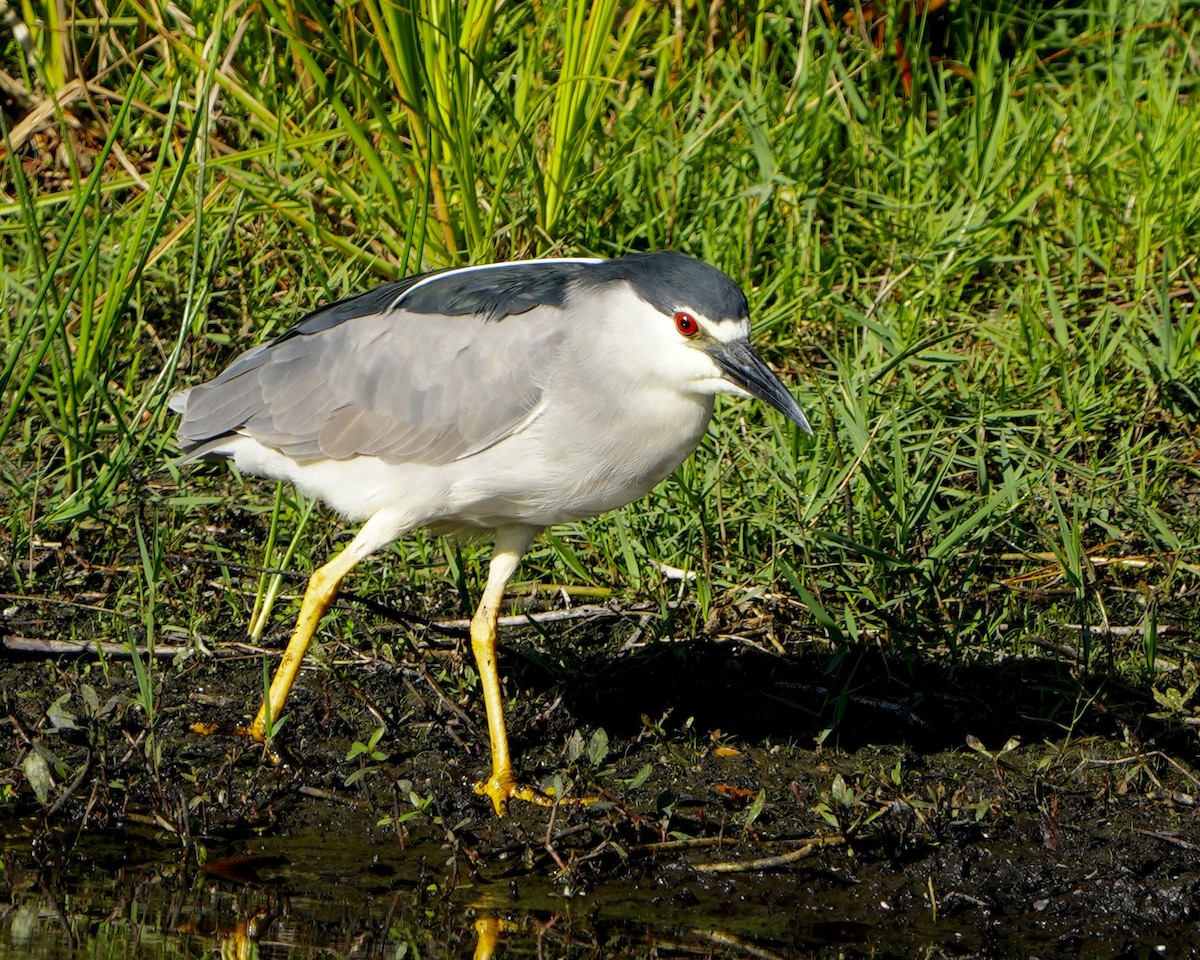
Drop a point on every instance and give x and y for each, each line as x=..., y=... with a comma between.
x=320, y=893
x=317, y=894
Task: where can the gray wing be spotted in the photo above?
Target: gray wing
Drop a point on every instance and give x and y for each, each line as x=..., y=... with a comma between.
x=404, y=386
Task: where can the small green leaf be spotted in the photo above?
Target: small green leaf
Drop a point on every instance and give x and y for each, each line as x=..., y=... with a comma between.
x=574, y=746
x=977, y=745
x=597, y=749
x=640, y=777
x=841, y=793
x=756, y=808
x=37, y=772
x=1009, y=745
x=58, y=716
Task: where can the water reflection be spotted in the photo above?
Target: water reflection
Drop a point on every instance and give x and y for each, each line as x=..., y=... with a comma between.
x=318, y=894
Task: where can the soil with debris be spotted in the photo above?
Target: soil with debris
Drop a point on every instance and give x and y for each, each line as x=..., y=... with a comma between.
x=750, y=804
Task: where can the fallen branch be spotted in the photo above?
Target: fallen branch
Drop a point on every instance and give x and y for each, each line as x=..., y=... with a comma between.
x=75, y=648
x=662, y=846
x=770, y=863
x=1171, y=838
x=591, y=611
x=1114, y=630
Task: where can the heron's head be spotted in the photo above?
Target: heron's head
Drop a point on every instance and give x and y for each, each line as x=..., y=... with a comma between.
x=689, y=324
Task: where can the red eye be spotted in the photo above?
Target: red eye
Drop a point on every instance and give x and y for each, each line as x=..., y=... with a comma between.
x=686, y=324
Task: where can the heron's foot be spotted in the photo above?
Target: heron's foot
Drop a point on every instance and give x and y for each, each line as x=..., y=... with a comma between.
x=488, y=931
x=274, y=749
x=503, y=787
x=224, y=730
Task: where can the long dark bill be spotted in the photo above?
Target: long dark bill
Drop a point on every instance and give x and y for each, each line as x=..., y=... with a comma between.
x=746, y=369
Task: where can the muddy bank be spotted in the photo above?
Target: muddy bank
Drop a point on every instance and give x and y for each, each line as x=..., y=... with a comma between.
x=986, y=811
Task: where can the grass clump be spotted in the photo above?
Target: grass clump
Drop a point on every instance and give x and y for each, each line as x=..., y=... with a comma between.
x=975, y=263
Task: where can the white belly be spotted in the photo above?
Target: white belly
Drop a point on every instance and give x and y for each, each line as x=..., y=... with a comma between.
x=567, y=464
x=571, y=464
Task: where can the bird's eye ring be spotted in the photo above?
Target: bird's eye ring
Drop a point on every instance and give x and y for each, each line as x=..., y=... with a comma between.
x=686, y=324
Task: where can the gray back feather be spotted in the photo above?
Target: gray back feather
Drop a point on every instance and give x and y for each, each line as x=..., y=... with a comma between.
x=399, y=385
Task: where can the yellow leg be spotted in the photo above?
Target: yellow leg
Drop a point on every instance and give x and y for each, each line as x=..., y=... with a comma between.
x=322, y=589
x=503, y=786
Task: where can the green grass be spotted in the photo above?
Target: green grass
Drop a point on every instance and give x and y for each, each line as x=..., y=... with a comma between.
x=983, y=292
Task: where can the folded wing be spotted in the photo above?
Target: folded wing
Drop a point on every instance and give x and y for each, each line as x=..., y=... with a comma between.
x=373, y=376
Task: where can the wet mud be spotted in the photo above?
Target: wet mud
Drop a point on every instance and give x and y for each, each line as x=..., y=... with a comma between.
x=747, y=804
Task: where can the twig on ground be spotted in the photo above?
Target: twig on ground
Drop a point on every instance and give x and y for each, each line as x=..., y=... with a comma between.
x=1171, y=838
x=744, y=947
x=64, y=648
x=770, y=863
x=1113, y=630
x=695, y=843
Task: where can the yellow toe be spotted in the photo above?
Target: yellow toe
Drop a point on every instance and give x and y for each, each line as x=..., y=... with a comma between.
x=504, y=786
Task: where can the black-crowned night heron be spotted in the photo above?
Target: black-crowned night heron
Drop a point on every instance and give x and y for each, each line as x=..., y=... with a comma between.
x=505, y=398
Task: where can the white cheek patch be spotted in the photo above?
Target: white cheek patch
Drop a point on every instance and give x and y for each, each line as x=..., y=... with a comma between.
x=723, y=331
